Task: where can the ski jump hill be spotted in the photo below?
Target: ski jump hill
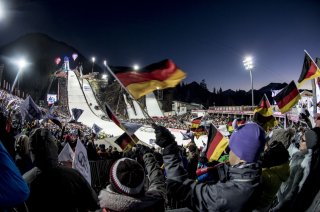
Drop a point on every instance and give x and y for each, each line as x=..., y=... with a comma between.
x=82, y=97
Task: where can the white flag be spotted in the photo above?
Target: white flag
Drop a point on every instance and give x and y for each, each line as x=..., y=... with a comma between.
x=81, y=162
x=66, y=154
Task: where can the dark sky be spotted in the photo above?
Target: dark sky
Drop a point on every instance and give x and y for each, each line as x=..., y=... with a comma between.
x=207, y=39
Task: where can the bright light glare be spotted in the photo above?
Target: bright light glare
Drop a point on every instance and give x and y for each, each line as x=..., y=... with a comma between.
x=1, y=11
x=104, y=76
x=105, y=63
x=93, y=59
x=22, y=63
x=248, y=63
x=136, y=67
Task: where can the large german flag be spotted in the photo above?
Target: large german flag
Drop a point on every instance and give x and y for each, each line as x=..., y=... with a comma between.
x=263, y=114
x=287, y=97
x=161, y=75
x=216, y=144
x=309, y=70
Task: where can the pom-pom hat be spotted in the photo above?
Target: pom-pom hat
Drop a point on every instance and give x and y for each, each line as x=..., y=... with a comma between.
x=127, y=177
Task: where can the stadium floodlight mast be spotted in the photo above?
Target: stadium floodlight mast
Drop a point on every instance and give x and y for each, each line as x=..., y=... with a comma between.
x=136, y=67
x=22, y=63
x=105, y=67
x=93, y=60
x=248, y=65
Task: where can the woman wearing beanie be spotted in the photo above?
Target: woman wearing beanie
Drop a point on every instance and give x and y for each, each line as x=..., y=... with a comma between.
x=238, y=179
x=127, y=179
x=297, y=193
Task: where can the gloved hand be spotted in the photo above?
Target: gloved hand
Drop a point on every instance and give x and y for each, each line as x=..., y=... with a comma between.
x=166, y=140
x=142, y=149
x=163, y=136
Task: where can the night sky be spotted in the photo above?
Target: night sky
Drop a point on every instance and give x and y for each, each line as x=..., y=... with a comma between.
x=206, y=39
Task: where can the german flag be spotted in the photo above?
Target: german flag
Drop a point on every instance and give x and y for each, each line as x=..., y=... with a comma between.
x=216, y=144
x=126, y=142
x=287, y=97
x=263, y=114
x=161, y=75
x=309, y=70
x=196, y=123
x=201, y=130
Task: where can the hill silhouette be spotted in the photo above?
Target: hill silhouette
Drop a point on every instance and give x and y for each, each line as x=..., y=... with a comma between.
x=40, y=51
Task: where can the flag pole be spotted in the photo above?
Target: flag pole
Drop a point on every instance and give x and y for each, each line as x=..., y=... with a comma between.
x=314, y=96
x=313, y=84
x=120, y=124
x=111, y=72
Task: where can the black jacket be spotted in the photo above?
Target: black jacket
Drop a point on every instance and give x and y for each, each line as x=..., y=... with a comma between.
x=232, y=194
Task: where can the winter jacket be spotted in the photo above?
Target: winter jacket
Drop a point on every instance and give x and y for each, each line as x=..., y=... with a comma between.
x=231, y=194
x=13, y=189
x=311, y=184
x=288, y=190
x=152, y=200
x=271, y=180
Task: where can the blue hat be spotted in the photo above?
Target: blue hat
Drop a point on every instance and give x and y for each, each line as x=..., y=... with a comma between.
x=248, y=142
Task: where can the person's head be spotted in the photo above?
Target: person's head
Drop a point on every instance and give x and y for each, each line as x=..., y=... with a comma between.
x=246, y=144
x=310, y=139
x=275, y=154
x=127, y=177
x=43, y=149
x=283, y=135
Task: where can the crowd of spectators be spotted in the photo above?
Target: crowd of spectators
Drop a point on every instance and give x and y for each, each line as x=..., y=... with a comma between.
x=276, y=170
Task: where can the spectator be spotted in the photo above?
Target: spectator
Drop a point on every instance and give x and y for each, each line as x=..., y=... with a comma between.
x=56, y=188
x=297, y=193
x=126, y=191
x=275, y=170
x=238, y=179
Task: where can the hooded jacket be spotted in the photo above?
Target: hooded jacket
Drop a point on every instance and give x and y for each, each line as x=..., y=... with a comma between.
x=151, y=200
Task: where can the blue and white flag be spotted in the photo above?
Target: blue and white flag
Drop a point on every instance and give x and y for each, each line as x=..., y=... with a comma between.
x=81, y=162
x=29, y=110
x=76, y=113
x=96, y=129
